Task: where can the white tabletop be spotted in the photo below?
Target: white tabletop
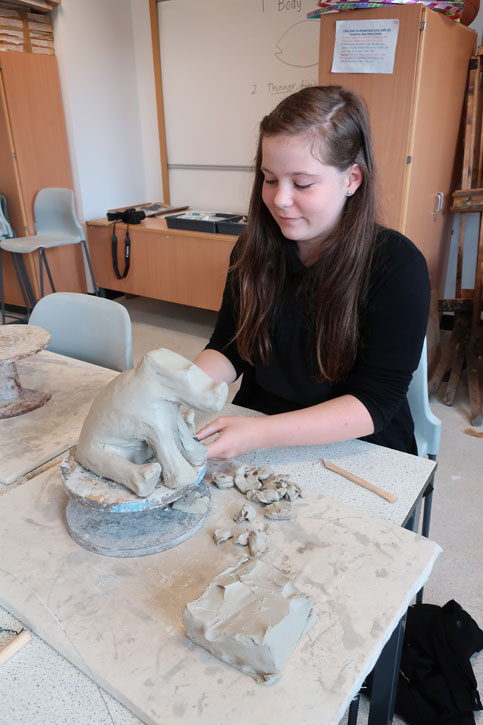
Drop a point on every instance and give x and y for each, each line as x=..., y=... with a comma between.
x=119, y=620
x=27, y=441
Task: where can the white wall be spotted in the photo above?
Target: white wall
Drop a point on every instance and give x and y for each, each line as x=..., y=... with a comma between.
x=103, y=49
x=143, y=53
x=477, y=24
x=104, y=53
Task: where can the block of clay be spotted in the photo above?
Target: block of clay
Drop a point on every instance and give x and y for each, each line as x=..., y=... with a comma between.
x=251, y=616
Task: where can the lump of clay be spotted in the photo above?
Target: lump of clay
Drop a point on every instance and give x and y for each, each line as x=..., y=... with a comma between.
x=223, y=480
x=242, y=484
x=251, y=616
x=242, y=539
x=267, y=495
x=242, y=470
x=246, y=513
x=263, y=473
x=258, y=543
x=278, y=511
x=137, y=416
x=192, y=503
x=221, y=535
x=293, y=491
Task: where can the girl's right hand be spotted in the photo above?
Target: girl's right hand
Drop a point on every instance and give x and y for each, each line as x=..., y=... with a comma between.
x=236, y=435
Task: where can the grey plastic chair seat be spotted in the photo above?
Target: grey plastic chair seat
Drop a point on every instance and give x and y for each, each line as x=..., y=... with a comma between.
x=24, y=245
x=56, y=225
x=85, y=327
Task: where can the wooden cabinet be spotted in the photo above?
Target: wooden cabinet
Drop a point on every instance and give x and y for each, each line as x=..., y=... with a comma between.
x=415, y=115
x=34, y=154
x=166, y=264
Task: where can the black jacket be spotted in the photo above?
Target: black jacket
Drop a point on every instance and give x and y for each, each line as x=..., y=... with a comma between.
x=437, y=685
x=392, y=334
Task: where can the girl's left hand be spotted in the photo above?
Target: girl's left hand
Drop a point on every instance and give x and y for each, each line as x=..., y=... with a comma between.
x=236, y=435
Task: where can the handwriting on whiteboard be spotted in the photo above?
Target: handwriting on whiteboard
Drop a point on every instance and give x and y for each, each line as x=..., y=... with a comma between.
x=275, y=89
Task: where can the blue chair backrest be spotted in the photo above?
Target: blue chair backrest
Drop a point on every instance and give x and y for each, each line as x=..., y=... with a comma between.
x=427, y=427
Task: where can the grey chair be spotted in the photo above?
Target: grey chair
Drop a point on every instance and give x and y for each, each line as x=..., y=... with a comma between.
x=85, y=327
x=56, y=225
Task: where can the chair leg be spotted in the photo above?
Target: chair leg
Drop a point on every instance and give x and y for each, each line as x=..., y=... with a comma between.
x=43, y=256
x=89, y=264
x=41, y=272
x=24, y=282
x=2, y=298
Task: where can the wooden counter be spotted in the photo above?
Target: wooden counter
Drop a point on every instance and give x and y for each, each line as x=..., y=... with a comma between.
x=166, y=264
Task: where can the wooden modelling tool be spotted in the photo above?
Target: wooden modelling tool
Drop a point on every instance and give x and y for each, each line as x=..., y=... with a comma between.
x=13, y=647
x=360, y=481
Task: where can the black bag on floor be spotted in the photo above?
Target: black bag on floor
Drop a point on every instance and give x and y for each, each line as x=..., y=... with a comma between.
x=436, y=684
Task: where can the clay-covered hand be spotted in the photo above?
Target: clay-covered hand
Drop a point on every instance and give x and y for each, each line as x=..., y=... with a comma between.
x=236, y=435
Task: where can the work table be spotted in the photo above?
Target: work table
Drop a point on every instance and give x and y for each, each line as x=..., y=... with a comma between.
x=77, y=600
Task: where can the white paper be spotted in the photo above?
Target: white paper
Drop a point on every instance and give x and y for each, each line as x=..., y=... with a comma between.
x=365, y=46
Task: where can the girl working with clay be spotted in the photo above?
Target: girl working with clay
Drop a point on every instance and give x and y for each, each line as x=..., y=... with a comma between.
x=324, y=311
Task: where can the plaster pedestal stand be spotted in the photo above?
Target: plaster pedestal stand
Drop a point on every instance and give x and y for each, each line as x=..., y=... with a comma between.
x=18, y=342
x=107, y=518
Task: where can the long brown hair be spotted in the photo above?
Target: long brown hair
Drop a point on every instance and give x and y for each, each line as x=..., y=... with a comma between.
x=333, y=287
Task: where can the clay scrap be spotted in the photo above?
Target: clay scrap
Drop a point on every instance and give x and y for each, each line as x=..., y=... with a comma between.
x=192, y=503
x=258, y=542
x=242, y=539
x=246, y=513
x=251, y=616
x=223, y=480
x=278, y=512
x=136, y=432
x=221, y=535
x=259, y=484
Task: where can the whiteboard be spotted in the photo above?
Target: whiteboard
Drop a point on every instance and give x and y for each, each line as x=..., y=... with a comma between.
x=225, y=64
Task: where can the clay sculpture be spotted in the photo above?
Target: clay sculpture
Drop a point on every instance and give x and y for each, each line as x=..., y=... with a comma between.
x=136, y=431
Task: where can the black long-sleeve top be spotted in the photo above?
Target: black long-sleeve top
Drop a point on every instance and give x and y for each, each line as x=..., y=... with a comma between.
x=392, y=332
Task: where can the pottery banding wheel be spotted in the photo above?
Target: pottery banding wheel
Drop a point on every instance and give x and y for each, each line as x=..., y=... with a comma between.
x=106, y=517
x=18, y=342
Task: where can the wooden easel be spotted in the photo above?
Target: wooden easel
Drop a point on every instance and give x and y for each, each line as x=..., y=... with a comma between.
x=466, y=340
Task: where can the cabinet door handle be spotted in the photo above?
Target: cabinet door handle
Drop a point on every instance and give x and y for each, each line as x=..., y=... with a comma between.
x=438, y=204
